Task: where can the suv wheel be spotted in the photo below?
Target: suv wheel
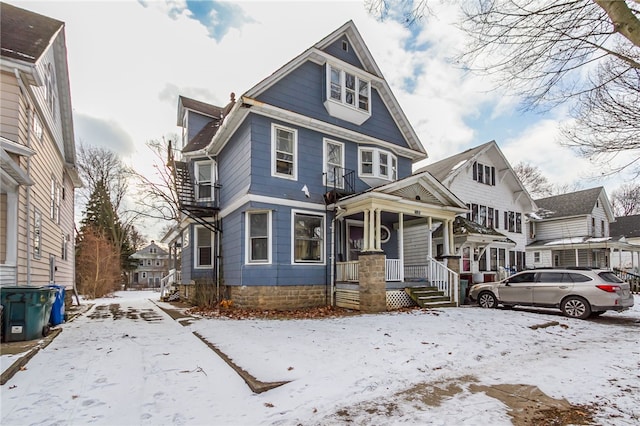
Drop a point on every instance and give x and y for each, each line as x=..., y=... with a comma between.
x=576, y=307
x=486, y=299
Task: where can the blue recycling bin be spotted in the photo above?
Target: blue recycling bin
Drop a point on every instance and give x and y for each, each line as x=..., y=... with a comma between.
x=57, y=309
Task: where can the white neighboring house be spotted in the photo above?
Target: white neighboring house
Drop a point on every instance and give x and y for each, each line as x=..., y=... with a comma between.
x=629, y=228
x=492, y=234
x=153, y=265
x=574, y=230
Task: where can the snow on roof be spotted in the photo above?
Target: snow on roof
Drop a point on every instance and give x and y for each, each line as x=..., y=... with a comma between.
x=458, y=165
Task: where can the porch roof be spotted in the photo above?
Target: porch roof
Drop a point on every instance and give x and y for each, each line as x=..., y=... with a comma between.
x=417, y=195
x=475, y=233
x=585, y=242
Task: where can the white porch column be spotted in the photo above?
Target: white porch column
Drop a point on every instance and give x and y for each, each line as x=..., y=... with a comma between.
x=401, y=244
x=11, y=255
x=378, y=224
x=452, y=242
x=445, y=236
x=365, y=232
x=577, y=260
x=372, y=230
x=430, y=236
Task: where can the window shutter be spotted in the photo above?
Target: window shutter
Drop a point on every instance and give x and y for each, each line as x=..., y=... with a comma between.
x=493, y=176
x=475, y=171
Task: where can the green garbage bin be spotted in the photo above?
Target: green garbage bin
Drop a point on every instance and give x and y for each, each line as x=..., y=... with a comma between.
x=26, y=312
x=464, y=284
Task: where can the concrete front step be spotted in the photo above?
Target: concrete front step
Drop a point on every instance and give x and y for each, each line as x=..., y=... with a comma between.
x=429, y=297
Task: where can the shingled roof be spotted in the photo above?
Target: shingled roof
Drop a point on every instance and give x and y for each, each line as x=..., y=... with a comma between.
x=573, y=204
x=204, y=136
x=627, y=226
x=441, y=169
x=25, y=35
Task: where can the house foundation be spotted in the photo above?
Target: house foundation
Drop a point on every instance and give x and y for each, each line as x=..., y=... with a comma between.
x=372, y=288
x=278, y=297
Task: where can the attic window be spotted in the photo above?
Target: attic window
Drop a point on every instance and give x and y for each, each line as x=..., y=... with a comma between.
x=345, y=46
x=348, y=94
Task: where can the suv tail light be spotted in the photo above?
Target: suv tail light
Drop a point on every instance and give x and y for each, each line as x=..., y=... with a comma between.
x=609, y=288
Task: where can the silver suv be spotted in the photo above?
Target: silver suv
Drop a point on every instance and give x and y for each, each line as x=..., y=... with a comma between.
x=578, y=293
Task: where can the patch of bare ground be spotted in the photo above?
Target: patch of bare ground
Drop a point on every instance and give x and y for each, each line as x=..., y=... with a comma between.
x=527, y=405
x=242, y=313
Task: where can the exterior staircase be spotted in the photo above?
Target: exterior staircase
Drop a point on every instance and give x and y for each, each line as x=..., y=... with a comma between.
x=429, y=297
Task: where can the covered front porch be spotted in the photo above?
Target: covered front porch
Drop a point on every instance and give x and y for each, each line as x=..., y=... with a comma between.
x=374, y=262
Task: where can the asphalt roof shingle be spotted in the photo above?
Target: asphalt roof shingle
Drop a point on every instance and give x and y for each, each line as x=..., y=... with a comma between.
x=25, y=35
x=441, y=169
x=628, y=226
x=573, y=204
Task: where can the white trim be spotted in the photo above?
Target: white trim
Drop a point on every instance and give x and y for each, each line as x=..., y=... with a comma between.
x=327, y=141
x=247, y=260
x=274, y=172
x=375, y=166
x=300, y=120
x=269, y=200
x=293, y=237
x=340, y=108
x=196, y=169
x=195, y=248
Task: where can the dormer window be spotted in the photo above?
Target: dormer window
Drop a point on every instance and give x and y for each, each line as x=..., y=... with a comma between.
x=484, y=174
x=348, y=95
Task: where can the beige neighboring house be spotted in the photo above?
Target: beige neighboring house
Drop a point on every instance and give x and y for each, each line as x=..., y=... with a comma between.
x=153, y=265
x=38, y=173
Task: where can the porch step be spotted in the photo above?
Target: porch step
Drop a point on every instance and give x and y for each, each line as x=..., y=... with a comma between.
x=429, y=297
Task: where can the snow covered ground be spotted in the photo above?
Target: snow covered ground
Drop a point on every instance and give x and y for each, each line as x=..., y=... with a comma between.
x=127, y=362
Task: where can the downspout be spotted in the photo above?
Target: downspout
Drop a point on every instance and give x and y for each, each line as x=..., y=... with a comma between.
x=30, y=117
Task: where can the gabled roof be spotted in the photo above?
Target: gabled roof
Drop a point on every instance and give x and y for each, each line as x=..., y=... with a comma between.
x=316, y=55
x=579, y=203
x=199, y=107
x=627, y=226
x=468, y=228
x=203, y=138
x=25, y=35
x=451, y=166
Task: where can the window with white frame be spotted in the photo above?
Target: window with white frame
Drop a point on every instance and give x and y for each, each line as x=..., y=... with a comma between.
x=308, y=237
x=536, y=256
x=284, y=148
x=258, y=233
x=65, y=247
x=54, y=208
x=37, y=234
x=204, y=180
x=349, y=89
x=334, y=163
x=483, y=173
x=204, y=252
x=378, y=163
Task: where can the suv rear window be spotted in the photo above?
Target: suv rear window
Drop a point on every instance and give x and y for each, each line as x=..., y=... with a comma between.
x=609, y=277
x=579, y=278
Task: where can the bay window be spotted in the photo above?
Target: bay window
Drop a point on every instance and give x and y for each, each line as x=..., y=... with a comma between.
x=378, y=163
x=348, y=94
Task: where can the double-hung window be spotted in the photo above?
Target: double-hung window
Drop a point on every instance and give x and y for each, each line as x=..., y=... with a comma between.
x=284, y=147
x=204, y=180
x=204, y=251
x=308, y=237
x=258, y=225
x=334, y=163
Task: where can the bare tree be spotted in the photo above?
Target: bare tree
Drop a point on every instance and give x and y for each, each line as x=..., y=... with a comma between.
x=626, y=199
x=584, y=52
x=156, y=196
x=97, y=264
x=533, y=180
x=100, y=165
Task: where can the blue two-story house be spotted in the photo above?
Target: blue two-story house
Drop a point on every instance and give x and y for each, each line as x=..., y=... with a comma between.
x=296, y=193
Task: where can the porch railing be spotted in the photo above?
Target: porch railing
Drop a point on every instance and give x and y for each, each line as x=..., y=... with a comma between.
x=170, y=279
x=347, y=271
x=393, y=270
x=437, y=274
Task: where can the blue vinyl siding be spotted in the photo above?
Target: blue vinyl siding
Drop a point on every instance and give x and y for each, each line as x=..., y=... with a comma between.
x=281, y=271
x=302, y=91
x=234, y=164
x=196, y=122
x=349, y=56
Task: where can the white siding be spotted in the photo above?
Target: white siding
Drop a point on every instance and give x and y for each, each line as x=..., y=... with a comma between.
x=415, y=244
x=563, y=228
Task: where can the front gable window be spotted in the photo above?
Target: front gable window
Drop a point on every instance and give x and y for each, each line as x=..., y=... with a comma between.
x=284, y=148
x=348, y=95
x=204, y=180
x=484, y=174
x=378, y=163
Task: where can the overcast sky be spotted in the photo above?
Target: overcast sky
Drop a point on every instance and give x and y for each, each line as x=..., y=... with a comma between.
x=129, y=61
